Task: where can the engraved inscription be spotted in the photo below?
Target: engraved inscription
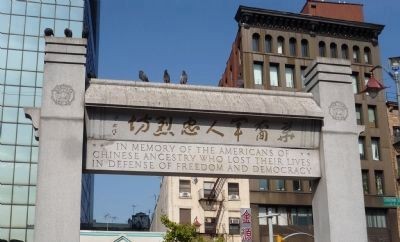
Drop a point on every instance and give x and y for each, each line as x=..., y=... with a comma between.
x=207, y=159
x=63, y=95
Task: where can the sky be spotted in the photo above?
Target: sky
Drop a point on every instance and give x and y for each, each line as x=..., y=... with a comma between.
x=195, y=36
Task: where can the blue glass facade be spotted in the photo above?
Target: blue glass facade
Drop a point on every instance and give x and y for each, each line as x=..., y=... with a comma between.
x=22, y=24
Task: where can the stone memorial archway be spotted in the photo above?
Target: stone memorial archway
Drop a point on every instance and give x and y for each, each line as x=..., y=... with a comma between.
x=165, y=129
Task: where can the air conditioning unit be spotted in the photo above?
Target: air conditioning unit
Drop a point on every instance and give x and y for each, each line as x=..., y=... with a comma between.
x=184, y=194
x=234, y=221
x=233, y=197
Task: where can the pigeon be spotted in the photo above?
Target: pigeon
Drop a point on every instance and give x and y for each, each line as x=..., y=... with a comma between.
x=48, y=32
x=143, y=76
x=85, y=33
x=184, y=77
x=68, y=33
x=166, y=77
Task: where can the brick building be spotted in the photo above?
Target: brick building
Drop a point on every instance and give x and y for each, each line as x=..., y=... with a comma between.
x=271, y=51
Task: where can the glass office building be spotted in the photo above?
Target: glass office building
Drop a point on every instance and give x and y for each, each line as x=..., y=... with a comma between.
x=22, y=23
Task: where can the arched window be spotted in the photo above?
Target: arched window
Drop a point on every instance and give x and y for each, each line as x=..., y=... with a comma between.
x=304, y=48
x=322, y=49
x=367, y=55
x=268, y=43
x=256, y=42
x=333, y=49
x=345, y=52
x=292, y=46
x=281, y=45
x=356, y=54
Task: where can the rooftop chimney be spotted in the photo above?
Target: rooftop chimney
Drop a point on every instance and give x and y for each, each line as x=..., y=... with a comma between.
x=335, y=10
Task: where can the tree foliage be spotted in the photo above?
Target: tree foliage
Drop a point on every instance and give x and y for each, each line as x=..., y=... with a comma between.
x=178, y=232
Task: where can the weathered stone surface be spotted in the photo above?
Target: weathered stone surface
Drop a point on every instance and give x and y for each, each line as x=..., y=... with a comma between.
x=58, y=202
x=186, y=159
x=201, y=98
x=338, y=207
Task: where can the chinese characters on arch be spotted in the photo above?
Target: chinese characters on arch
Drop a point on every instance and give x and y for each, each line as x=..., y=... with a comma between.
x=168, y=143
x=208, y=128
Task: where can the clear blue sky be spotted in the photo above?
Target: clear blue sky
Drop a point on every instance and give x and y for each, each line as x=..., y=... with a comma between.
x=195, y=36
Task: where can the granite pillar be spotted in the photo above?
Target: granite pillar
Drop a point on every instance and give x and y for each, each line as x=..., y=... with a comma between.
x=338, y=202
x=61, y=141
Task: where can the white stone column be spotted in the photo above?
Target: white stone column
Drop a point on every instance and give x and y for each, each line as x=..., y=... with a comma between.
x=338, y=202
x=61, y=141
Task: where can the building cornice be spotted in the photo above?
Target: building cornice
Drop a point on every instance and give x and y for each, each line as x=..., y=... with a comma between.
x=271, y=19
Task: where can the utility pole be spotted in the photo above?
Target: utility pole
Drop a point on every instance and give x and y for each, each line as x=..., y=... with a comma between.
x=394, y=63
x=269, y=217
x=106, y=217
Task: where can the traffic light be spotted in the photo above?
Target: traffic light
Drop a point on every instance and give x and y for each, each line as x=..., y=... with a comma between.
x=278, y=238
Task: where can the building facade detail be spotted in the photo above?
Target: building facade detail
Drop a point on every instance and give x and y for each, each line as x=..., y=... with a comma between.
x=272, y=51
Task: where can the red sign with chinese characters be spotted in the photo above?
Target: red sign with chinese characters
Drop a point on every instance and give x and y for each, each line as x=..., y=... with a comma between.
x=245, y=225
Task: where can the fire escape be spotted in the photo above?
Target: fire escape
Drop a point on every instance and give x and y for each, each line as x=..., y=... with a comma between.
x=212, y=202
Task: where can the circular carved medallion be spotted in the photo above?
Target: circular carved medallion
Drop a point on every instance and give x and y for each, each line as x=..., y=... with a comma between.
x=62, y=95
x=338, y=110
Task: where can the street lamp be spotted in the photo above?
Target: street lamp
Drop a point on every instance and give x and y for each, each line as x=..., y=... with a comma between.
x=394, y=63
x=269, y=216
x=373, y=86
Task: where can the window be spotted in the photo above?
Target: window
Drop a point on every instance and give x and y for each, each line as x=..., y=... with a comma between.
x=263, y=185
x=185, y=216
x=367, y=55
x=398, y=165
x=354, y=82
x=184, y=188
x=208, y=186
x=321, y=49
x=282, y=219
x=289, y=76
x=304, y=48
x=76, y=14
x=10, y=114
x=234, y=225
x=356, y=54
x=379, y=182
x=233, y=191
x=301, y=216
x=372, y=116
x=376, y=218
x=375, y=148
x=367, y=76
x=209, y=225
x=297, y=185
x=268, y=44
x=273, y=75
x=365, y=181
x=258, y=73
x=396, y=131
x=280, y=185
x=333, y=48
x=345, y=52
x=361, y=147
x=281, y=45
x=292, y=47
x=359, y=114
x=17, y=24
x=256, y=42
